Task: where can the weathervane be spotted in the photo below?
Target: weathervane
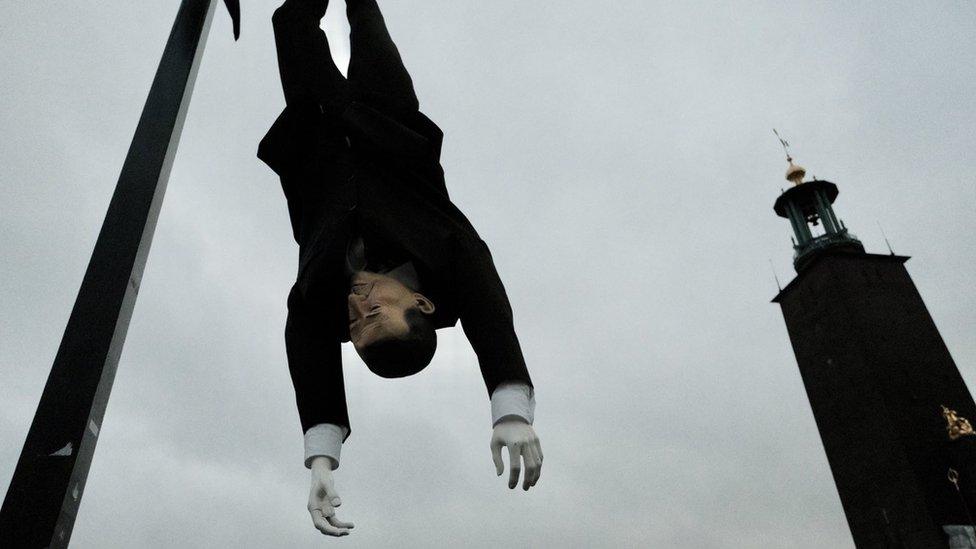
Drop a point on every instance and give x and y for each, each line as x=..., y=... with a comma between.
x=785, y=144
x=794, y=173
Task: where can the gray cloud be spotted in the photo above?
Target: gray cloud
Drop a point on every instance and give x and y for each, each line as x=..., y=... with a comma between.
x=618, y=158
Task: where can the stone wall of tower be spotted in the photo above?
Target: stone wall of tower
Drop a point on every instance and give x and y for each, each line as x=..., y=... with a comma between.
x=876, y=371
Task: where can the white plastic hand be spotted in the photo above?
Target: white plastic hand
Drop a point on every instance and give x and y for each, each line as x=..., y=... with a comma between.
x=522, y=442
x=323, y=499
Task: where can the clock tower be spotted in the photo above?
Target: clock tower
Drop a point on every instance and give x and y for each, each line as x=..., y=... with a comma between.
x=887, y=397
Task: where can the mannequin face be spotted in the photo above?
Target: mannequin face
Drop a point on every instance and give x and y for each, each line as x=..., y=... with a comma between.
x=377, y=307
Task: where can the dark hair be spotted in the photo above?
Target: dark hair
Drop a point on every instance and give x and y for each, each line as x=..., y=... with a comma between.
x=404, y=356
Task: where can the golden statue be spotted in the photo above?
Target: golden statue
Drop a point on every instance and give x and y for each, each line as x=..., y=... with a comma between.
x=956, y=426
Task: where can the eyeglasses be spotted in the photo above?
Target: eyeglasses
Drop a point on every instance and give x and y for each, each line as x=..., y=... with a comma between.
x=362, y=289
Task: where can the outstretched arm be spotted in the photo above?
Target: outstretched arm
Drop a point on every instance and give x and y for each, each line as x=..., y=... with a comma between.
x=315, y=364
x=486, y=315
x=487, y=320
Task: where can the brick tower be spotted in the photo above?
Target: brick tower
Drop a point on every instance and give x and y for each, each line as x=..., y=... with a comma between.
x=888, y=400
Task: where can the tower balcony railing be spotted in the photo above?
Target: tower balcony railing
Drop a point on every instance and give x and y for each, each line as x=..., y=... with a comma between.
x=824, y=241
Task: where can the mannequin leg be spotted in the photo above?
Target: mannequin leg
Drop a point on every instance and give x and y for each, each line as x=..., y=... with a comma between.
x=376, y=71
x=309, y=77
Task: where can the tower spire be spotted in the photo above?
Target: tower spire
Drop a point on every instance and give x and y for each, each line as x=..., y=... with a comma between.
x=785, y=144
x=810, y=205
x=794, y=173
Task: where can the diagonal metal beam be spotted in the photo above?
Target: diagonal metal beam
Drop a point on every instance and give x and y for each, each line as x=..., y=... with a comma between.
x=42, y=501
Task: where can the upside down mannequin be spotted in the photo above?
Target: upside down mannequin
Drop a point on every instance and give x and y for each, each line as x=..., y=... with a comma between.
x=385, y=257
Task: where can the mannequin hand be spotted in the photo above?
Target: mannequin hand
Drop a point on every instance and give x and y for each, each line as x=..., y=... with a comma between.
x=522, y=442
x=323, y=499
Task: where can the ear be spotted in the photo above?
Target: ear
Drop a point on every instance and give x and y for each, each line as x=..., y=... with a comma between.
x=425, y=305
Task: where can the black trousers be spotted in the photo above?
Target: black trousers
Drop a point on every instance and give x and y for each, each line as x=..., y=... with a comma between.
x=376, y=74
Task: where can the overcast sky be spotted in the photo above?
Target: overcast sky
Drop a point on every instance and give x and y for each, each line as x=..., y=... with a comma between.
x=618, y=158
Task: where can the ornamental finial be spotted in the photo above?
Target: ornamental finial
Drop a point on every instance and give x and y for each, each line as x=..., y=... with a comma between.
x=794, y=173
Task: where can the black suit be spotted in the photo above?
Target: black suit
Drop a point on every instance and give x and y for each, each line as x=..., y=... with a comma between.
x=354, y=156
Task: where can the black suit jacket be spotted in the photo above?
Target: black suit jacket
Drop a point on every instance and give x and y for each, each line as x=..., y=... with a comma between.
x=379, y=174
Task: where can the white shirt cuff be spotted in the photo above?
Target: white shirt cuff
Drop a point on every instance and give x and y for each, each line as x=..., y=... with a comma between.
x=513, y=398
x=324, y=439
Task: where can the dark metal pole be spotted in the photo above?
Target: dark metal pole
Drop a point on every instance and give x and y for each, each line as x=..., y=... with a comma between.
x=42, y=501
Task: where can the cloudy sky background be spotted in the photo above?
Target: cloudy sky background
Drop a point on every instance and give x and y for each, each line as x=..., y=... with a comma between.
x=618, y=158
